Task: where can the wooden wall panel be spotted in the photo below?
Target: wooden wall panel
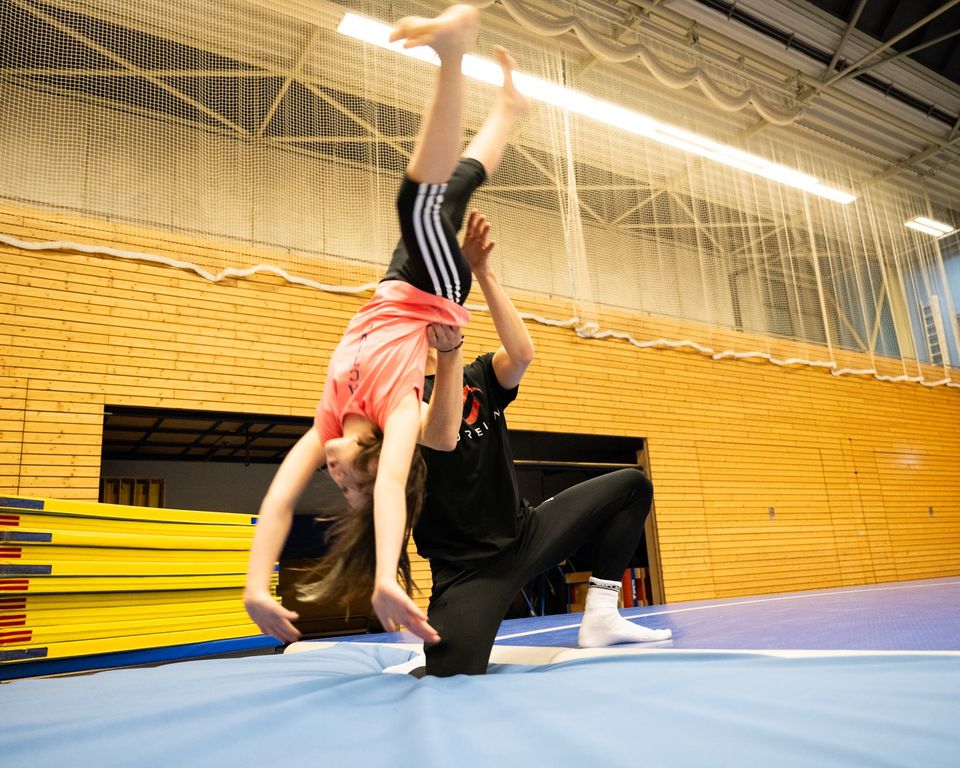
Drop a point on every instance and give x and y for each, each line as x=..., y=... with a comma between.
x=13, y=398
x=773, y=527
x=726, y=439
x=922, y=511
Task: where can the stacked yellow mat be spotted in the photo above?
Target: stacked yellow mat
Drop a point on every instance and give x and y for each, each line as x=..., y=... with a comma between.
x=80, y=578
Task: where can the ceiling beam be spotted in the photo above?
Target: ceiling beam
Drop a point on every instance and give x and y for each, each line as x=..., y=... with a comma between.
x=909, y=163
x=851, y=25
x=696, y=221
x=368, y=127
x=908, y=52
x=291, y=77
x=809, y=83
x=117, y=59
x=854, y=68
x=633, y=209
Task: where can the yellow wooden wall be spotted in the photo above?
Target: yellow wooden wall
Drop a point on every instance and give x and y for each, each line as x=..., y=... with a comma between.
x=851, y=467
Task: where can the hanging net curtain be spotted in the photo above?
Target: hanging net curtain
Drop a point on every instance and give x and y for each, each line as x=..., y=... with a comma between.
x=258, y=125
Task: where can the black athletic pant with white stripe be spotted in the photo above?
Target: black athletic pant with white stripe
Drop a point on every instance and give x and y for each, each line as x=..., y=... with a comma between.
x=605, y=515
x=428, y=255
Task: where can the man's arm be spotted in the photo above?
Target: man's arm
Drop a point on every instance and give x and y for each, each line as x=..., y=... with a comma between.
x=440, y=418
x=516, y=352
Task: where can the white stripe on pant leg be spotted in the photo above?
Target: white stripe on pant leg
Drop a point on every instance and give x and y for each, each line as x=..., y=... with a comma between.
x=417, y=216
x=433, y=254
x=430, y=247
x=448, y=257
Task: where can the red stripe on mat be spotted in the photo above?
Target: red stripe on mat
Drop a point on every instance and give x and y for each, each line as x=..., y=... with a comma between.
x=14, y=620
x=10, y=520
x=15, y=637
x=14, y=585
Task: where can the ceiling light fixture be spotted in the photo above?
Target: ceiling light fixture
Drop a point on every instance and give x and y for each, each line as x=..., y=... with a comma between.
x=929, y=226
x=377, y=33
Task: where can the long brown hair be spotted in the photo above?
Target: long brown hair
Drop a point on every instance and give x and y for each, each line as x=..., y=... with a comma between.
x=347, y=571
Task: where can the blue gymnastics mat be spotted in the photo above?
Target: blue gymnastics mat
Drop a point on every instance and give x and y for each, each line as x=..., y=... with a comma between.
x=665, y=706
x=901, y=616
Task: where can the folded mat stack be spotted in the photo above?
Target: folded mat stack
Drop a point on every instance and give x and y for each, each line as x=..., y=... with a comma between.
x=80, y=579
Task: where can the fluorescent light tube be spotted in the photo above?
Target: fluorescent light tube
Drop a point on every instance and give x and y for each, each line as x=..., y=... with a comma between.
x=377, y=33
x=945, y=229
x=913, y=224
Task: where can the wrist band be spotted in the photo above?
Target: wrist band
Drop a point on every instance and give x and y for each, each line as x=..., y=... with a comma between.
x=453, y=348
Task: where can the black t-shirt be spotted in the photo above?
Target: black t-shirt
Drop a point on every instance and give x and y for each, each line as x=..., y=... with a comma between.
x=472, y=509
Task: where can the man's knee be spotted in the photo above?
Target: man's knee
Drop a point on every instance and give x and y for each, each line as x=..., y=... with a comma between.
x=636, y=480
x=457, y=655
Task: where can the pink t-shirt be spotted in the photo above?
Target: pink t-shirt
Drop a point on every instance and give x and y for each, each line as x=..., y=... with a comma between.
x=382, y=355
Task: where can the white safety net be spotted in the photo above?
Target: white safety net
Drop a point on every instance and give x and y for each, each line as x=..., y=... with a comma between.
x=257, y=124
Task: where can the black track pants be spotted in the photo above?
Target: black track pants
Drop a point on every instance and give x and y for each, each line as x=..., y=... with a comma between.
x=467, y=606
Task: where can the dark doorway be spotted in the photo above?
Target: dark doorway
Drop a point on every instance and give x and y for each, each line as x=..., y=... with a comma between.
x=238, y=452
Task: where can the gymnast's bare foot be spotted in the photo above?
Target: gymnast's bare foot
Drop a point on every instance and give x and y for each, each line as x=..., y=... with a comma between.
x=450, y=34
x=510, y=98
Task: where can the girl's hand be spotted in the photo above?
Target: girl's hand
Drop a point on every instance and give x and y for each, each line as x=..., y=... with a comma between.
x=271, y=617
x=394, y=608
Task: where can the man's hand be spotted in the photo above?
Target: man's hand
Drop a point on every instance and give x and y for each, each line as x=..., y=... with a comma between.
x=475, y=246
x=444, y=338
x=394, y=608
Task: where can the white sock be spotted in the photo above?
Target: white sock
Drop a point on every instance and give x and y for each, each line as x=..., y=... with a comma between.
x=602, y=624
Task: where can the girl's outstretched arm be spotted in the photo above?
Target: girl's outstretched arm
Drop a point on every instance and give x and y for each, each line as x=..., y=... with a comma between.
x=273, y=525
x=393, y=606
